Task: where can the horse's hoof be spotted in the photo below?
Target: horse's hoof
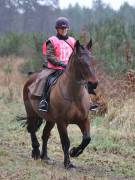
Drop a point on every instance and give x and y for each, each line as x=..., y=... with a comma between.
x=70, y=166
x=35, y=154
x=75, y=152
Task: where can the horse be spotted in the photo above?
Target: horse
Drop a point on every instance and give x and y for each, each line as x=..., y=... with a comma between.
x=68, y=104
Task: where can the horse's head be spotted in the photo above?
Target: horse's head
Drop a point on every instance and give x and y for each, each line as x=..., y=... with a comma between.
x=83, y=63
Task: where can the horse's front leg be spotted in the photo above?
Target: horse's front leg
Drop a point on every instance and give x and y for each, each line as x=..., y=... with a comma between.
x=46, y=133
x=62, y=128
x=85, y=129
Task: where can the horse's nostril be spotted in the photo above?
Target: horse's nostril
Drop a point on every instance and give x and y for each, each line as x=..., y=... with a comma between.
x=92, y=85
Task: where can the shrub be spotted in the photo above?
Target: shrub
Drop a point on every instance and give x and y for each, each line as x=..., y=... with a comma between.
x=9, y=44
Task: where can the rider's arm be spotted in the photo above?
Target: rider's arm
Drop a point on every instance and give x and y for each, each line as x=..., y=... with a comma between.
x=50, y=55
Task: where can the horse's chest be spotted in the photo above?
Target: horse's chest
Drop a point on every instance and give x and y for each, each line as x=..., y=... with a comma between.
x=76, y=113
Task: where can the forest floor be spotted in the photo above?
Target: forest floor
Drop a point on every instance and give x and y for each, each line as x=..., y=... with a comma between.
x=110, y=155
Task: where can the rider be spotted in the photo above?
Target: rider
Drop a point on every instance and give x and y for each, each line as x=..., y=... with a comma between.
x=58, y=50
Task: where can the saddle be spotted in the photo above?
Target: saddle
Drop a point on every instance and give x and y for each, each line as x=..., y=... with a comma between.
x=51, y=80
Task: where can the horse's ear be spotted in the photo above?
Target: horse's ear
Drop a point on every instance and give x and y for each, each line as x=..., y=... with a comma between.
x=77, y=44
x=89, y=45
x=76, y=47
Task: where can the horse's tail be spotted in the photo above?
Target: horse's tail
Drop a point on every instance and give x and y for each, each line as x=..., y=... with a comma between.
x=30, y=73
x=22, y=119
x=34, y=72
x=31, y=79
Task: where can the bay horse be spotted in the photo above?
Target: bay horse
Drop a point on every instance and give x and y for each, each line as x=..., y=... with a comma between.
x=68, y=104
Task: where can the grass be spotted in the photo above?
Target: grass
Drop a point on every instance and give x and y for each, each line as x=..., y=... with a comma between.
x=108, y=156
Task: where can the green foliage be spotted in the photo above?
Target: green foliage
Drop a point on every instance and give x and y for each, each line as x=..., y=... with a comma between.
x=35, y=60
x=111, y=41
x=7, y=68
x=9, y=44
x=32, y=65
x=3, y=153
x=110, y=31
x=28, y=45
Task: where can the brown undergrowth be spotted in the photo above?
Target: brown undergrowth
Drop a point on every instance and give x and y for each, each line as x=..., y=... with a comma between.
x=12, y=80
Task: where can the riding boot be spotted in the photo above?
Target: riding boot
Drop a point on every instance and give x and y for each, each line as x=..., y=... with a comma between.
x=43, y=105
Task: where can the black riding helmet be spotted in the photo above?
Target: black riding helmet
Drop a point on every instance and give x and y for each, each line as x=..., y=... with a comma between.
x=62, y=22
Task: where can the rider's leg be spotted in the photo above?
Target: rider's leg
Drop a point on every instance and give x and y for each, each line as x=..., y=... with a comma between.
x=43, y=105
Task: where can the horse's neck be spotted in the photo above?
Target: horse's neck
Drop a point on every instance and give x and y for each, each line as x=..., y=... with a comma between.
x=70, y=85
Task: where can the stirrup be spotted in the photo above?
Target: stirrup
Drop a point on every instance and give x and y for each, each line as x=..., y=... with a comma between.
x=43, y=105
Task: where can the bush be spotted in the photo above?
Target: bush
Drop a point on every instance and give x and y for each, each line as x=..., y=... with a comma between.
x=9, y=44
x=34, y=58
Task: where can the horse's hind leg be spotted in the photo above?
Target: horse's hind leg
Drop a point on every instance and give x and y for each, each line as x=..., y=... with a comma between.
x=33, y=123
x=32, y=128
x=46, y=133
x=85, y=128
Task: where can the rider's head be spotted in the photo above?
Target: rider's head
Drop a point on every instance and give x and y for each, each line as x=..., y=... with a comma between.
x=62, y=25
